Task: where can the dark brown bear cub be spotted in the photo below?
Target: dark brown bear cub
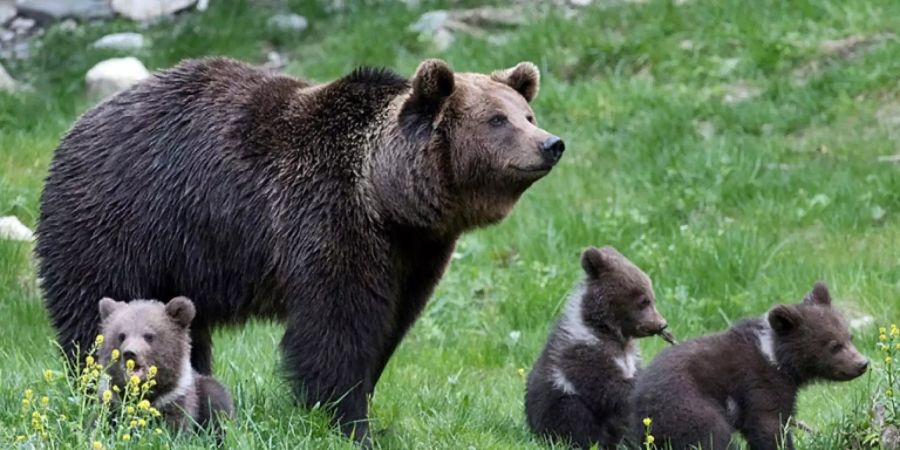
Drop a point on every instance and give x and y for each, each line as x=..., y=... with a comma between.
x=745, y=379
x=578, y=390
x=157, y=335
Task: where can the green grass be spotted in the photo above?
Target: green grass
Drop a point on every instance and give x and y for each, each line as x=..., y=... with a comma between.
x=787, y=189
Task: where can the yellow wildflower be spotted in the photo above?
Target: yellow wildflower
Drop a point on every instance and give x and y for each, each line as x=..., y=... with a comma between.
x=889, y=393
x=894, y=330
x=898, y=346
x=97, y=445
x=142, y=423
x=129, y=365
x=888, y=360
x=115, y=354
x=20, y=438
x=144, y=404
x=29, y=394
x=882, y=338
x=647, y=421
x=649, y=439
x=115, y=388
x=158, y=431
x=99, y=339
x=882, y=330
x=26, y=403
x=45, y=401
x=129, y=409
x=90, y=361
x=126, y=437
x=152, y=371
x=154, y=412
x=107, y=396
x=48, y=375
x=134, y=380
x=133, y=423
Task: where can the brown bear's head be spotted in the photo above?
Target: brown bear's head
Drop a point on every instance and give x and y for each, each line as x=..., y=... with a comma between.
x=151, y=334
x=481, y=140
x=812, y=340
x=618, y=296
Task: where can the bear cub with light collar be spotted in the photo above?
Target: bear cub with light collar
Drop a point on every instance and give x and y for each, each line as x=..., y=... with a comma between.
x=579, y=388
x=154, y=334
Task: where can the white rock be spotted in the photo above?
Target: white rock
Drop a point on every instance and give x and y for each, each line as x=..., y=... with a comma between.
x=147, y=10
x=12, y=229
x=202, y=5
x=6, y=82
x=7, y=11
x=22, y=25
x=431, y=21
x=113, y=75
x=288, y=22
x=120, y=41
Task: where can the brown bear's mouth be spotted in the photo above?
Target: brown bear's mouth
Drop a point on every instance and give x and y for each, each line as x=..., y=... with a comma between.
x=535, y=170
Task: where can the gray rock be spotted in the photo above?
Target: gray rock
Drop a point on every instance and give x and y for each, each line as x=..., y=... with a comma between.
x=113, y=75
x=50, y=10
x=120, y=41
x=6, y=35
x=6, y=82
x=288, y=22
x=149, y=10
x=7, y=10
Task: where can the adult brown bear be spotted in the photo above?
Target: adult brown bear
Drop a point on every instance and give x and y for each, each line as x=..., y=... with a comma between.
x=332, y=207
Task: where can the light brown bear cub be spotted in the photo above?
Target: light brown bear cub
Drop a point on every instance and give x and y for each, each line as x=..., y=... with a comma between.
x=745, y=379
x=153, y=334
x=578, y=390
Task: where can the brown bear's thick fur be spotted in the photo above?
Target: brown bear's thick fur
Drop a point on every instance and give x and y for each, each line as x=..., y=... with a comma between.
x=579, y=388
x=745, y=379
x=331, y=207
x=153, y=334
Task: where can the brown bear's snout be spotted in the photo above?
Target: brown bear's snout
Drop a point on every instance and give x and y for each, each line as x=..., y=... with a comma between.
x=552, y=149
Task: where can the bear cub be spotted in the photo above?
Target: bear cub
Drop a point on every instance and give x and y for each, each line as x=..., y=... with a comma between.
x=154, y=334
x=745, y=379
x=579, y=387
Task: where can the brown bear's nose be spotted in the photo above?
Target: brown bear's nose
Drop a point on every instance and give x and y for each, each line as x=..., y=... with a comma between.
x=553, y=148
x=128, y=354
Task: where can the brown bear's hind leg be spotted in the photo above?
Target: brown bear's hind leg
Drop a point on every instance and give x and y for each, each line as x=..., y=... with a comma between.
x=201, y=349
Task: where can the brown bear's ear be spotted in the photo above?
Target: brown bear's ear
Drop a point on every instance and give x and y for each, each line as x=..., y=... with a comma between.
x=181, y=310
x=108, y=306
x=783, y=319
x=819, y=295
x=433, y=82
x=525, y=78
x=596, y=261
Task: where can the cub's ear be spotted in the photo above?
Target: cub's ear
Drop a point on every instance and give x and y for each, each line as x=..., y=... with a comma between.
x=524, y=78
x=783, y=319
x=819, y=295
x=108, y=306
x=181, y=310
x=595, y=261
x=432, y=83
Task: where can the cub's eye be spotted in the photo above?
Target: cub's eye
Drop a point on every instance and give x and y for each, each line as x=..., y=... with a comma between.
x=645, y=303
x=836, y=347
x=498, y=120
x=530, y=119
x=121, y=337
x=148, y=337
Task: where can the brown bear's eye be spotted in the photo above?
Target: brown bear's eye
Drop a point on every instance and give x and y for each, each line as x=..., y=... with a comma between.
x=121, y=337
x=645, y=303
x=498, y=120
x=836, y=347
x=530, y=119
x=148, y=337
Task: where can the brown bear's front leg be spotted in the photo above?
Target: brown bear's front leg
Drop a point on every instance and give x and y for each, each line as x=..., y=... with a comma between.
x=329, y=350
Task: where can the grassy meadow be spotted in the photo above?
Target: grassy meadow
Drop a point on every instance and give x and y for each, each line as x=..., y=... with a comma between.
x=734, y=150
